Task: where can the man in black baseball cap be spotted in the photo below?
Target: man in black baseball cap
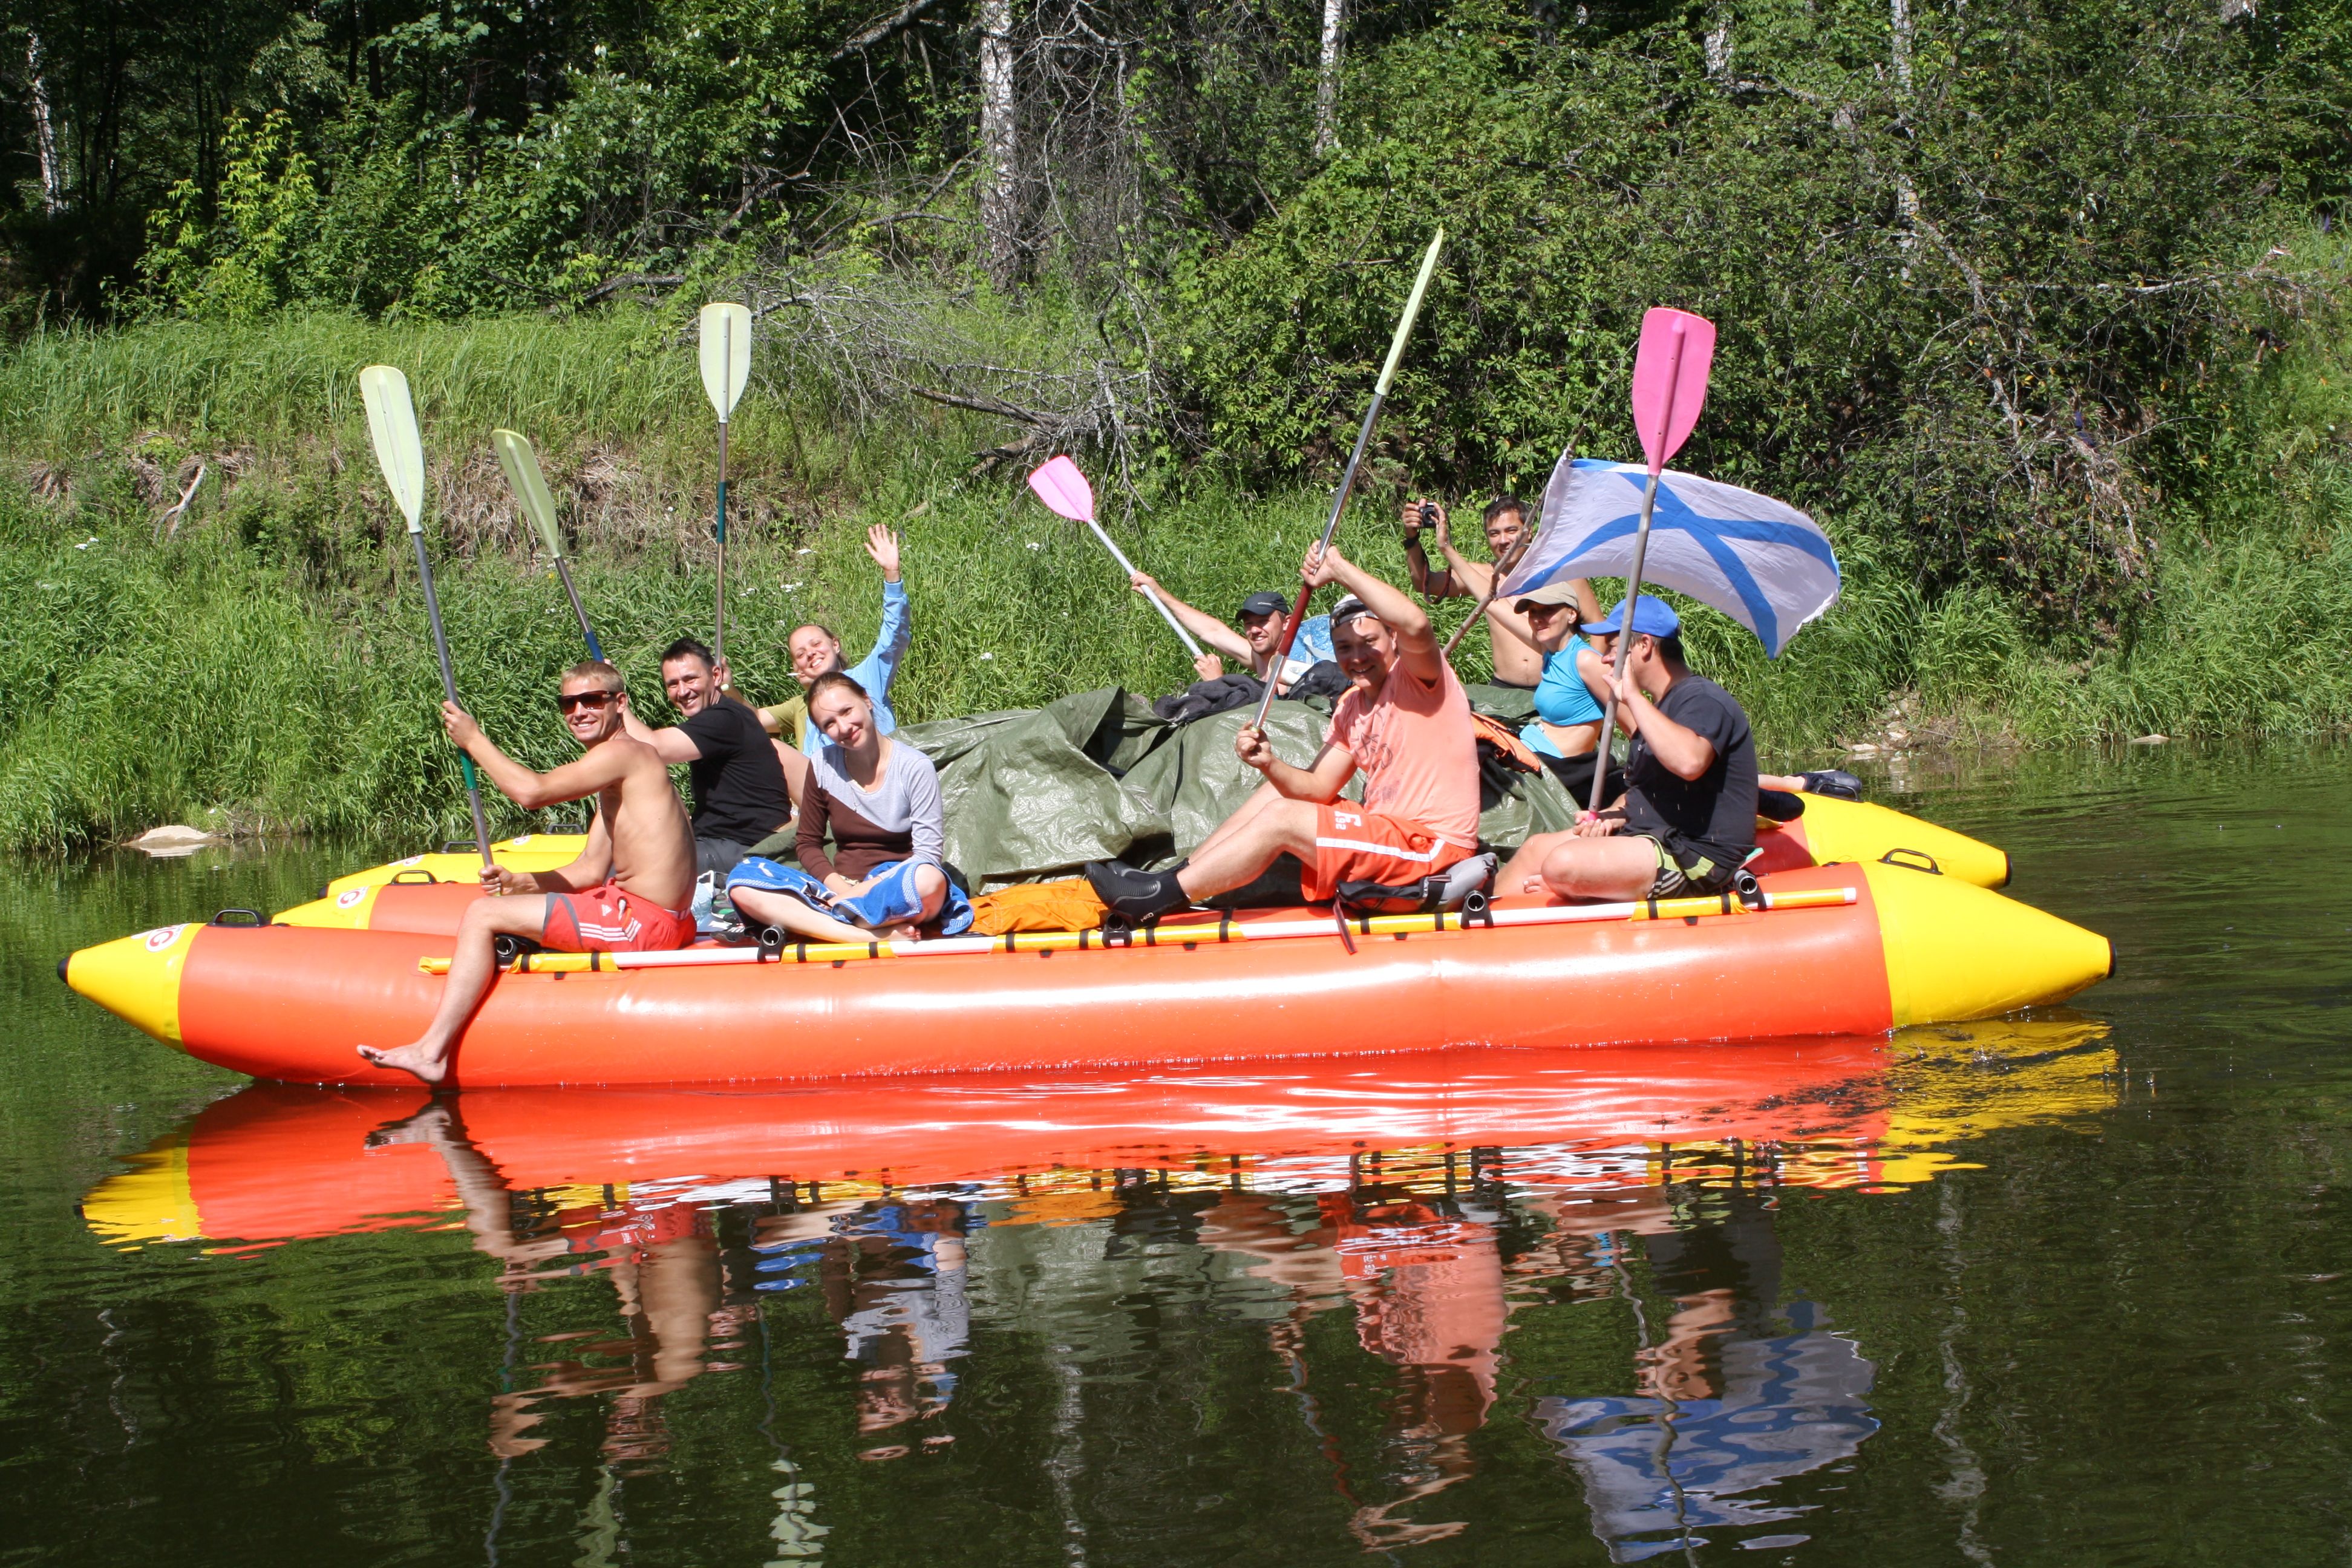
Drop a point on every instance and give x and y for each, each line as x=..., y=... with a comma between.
x=1260, y=635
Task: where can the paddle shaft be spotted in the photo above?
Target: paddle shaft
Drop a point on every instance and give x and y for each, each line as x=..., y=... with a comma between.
x=1624, y=643
x=1355, y=459
x=1633, y=575
x=563, y=570
x=718, y=627
x=1306, y=591
x=1157, y=602
x=1504, y=566
x=449, y=689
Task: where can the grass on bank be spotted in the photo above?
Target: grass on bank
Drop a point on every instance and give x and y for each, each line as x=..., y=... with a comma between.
x=269, y=664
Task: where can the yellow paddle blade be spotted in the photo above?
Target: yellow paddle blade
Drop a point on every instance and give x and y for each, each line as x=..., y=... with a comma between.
x=726, y=354
x=392, y=425
x=1411, y=310
x=521, y=461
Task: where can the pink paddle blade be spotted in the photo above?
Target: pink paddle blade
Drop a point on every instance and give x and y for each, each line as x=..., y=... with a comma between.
x=1061, y=487
x=1669, y=379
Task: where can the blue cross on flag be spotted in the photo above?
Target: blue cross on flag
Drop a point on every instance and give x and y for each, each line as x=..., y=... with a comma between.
x=1765, y=564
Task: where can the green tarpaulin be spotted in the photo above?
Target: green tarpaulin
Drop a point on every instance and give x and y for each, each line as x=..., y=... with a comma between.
x=1037, y=793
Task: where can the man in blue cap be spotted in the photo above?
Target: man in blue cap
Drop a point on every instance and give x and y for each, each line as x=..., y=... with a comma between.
x=1686, y=821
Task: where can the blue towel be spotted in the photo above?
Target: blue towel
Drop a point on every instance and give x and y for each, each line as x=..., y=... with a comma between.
x=891, y=900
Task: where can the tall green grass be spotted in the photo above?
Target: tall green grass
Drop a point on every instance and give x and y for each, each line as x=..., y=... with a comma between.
x=269, y=666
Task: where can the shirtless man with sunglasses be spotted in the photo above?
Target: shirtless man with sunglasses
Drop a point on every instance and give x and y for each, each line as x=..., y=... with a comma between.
x=631, y=890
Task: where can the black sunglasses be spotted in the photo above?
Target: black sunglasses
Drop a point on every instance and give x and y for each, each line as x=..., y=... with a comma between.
x=571, y=699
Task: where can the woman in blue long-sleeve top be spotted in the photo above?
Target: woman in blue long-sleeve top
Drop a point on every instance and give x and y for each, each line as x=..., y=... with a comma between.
x=816, y=651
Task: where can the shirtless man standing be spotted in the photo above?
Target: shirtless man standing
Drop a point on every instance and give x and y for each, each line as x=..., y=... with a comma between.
x=630, y=891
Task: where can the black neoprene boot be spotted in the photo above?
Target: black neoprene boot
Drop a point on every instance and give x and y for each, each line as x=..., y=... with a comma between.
x=1135, y=895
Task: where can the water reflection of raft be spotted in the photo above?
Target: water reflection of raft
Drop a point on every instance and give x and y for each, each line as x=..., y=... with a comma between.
x=276, y=1162
x=290, y=1002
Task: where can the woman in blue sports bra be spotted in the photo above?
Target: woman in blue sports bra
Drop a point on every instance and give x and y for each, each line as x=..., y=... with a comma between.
x=1566, y=731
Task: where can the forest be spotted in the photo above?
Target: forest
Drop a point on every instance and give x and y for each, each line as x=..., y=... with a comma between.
x=2035, y=304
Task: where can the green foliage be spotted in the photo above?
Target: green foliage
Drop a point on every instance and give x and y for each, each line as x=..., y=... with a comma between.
x=1950, y=302
x=242, y=263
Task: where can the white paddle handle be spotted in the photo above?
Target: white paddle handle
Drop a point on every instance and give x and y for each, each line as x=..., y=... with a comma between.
x=1157, y=603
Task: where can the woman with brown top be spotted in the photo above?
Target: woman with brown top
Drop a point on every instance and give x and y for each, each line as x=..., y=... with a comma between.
x=880, y=799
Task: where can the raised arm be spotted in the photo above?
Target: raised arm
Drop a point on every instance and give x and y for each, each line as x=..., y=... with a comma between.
x=1436, y=583
x=584, y=775
x=897, y=624
x=1212, y=631
x=1416, y=642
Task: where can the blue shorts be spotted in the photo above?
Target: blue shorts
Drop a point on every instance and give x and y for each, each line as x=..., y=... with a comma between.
x=891, y=900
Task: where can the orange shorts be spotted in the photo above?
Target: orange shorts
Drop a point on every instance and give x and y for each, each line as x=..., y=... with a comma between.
x=1352, y=845
x=607, y=920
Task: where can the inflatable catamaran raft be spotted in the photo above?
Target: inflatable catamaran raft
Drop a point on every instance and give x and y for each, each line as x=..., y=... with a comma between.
x=1842, y=949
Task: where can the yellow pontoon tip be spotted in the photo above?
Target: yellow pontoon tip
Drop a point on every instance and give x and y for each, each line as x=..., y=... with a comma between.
x=136, y=978
x=1956, y=952
x=1858, y=831
x=349, y=910
x=525, y=852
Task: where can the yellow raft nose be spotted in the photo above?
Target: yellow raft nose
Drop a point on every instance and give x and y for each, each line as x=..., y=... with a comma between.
x=1956, y=952
x=136, y=978
x=1867, y=834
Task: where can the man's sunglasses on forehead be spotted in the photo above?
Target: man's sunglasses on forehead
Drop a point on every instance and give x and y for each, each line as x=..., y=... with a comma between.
x=571, y=701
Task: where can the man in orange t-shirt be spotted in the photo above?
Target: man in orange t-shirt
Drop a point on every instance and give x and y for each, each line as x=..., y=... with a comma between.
x=1404, y=721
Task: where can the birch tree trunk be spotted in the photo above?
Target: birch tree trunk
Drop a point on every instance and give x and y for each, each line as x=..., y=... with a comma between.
x=1000, y=144
x=1327, y=80
x=45, y=135
x=1899, y=39
x=1718, y=45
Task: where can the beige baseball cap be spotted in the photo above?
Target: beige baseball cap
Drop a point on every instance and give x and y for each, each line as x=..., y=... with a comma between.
x=1557, y=591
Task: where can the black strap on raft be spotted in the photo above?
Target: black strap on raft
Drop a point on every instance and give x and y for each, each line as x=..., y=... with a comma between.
x=1912, y=860
x=507, y=947
x=252, y=918
x=1419, y=897
x=415, y=875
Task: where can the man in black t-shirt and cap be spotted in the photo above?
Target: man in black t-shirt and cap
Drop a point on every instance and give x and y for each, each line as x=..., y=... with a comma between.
x=742, y=789
x=1686, y=821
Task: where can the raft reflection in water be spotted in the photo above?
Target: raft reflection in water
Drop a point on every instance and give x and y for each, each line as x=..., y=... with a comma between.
x=1450, y=1205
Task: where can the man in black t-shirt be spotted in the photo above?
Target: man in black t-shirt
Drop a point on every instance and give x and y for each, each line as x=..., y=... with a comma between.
x=1686, y=821
x=741, y=786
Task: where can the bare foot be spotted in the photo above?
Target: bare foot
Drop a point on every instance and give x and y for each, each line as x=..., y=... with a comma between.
x=904, y=933
x=430, y=1065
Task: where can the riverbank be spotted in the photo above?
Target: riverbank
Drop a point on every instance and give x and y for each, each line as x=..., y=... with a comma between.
x=259, y=658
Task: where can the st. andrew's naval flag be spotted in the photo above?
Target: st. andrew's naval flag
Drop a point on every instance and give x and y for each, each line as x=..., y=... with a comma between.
x=1765, y=564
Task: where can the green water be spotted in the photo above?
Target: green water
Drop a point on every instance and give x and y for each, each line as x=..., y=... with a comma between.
x=2076, y=1295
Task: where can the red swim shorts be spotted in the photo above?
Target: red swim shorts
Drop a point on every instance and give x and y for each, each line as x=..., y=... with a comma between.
x=1352, y=845
x=606, y=919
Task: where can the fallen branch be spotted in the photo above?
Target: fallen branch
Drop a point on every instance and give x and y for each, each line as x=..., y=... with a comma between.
x=174, y=516
x=612, y=286
x=881, y=30
x=982, y=406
